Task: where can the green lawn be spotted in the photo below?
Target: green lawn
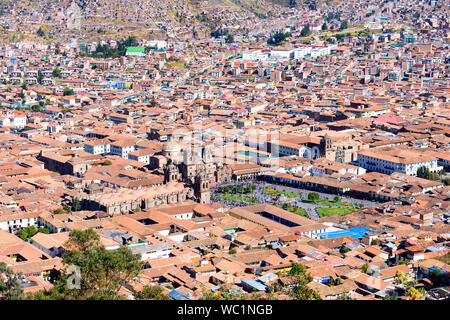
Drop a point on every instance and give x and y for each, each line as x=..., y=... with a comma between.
x=238, y=198
x=273, y=192
x=327, y=212
x=300, y=211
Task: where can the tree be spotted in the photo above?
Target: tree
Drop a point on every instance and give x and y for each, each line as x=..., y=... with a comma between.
x=303, y=292
x=365, y=268
x=232, y=251
x=324, y=26
x=437, y=278
x=415, y=294
x=68, y=92
x=9, y=283
x=58, y=211
x=423, y=172
x=107, y=163
x=299, y=289
x=67, y=208
x=277, y=38
x=102, y=272
x=43, y=230
x=36, y=108
x=22, y=235
x=76, y=205
x=297, y=269
x=401, y=277
x=229, y=39
x=389, y=297
x=337, y=198
x=402, y=262
x=333, y=282
x=40, y=77
x=207, y=295
x=56, y=72
x=306, y=31
x=313, y=196
x=344, y=25
x=344, y=250
x=27, y=232
x=152, y=293
x=345, y=296
x=153, y=103
x=41, y=32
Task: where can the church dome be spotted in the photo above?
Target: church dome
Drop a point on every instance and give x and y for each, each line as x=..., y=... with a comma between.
x=171, y=146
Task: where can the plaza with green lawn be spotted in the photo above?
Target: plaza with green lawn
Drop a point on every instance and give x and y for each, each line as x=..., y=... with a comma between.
x=327, y=212
x=278, y=193
x=293, y=209
x=239, y=198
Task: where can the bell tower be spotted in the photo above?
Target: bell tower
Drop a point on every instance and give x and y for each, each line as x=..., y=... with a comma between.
x=325, y=145
x=171, y=173
x=206, y=154
x=201, y=188
x=188, y=165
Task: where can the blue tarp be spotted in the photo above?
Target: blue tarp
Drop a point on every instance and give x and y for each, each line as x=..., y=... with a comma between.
x=434, y=268
x=176, y=295
x=357, y=232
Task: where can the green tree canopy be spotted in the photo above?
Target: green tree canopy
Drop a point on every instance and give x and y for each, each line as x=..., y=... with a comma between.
x=76, y=204
x=68, y=92
x=277, y=38
x=437, y=278
x=9, y=283
x=56, y=72
x=365, y=268
x=40, y=76
x=102, y=272
x=152, y=293
x=306, y=31
x=27, y=232
x=41, y=32
x=229, y=39
x=36, y=107
x=313, y=196
x=299, y=289
x=344, y=25
x=153, y=103
x=297, y=269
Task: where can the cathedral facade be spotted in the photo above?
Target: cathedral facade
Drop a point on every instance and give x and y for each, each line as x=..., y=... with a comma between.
x=199, y=171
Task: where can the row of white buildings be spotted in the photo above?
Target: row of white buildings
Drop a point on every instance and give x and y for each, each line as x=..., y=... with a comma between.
x=286, y=54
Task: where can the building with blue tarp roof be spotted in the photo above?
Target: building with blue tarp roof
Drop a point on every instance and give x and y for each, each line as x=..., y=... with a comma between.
x=252, y=285
x=357, y=232
x=436, y=268
x=177, y=295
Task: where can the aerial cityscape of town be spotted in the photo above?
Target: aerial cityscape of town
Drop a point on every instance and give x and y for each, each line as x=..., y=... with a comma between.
x=224, y=150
